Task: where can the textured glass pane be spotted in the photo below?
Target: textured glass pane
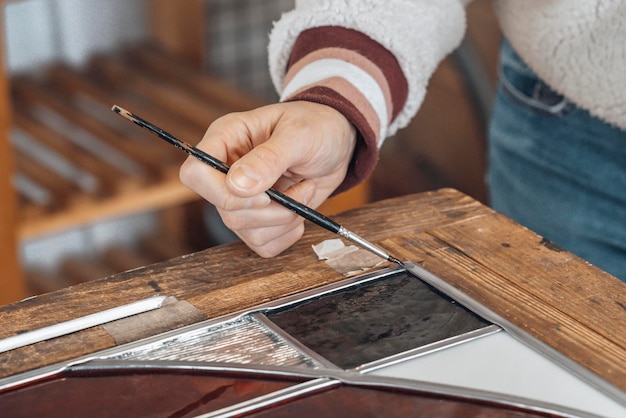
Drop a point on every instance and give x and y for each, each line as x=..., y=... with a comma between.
x=242, y=341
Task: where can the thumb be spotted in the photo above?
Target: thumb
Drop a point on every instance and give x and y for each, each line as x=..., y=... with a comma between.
x=259, y=169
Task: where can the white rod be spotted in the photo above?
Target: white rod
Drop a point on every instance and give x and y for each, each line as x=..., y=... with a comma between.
x=81, y=323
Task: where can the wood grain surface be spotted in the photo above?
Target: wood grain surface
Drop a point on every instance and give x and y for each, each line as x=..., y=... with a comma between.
x=546, y=291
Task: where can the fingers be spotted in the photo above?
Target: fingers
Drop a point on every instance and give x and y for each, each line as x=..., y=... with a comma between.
x=270, y=230
x=303, y=140
x=209, y=183
x=270, y=215
x=272, y=247
x=226, y=139
x=302, y=149
x=258, y=170
x=268, y=162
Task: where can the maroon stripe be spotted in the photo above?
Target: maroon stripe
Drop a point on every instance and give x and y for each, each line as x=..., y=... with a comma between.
x=335, y=36
x=366, y=151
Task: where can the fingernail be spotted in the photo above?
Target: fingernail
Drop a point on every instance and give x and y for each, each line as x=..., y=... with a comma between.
x=243, y=177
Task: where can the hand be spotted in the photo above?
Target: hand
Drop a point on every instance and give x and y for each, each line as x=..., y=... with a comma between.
x=302, y=149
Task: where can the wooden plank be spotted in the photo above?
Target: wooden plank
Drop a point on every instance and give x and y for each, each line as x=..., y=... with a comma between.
x=545, y=271
x=194, y=276
x=170, y=97
x=229, y=278
x=545, y=320
x=12, y=285
x=148, y=59
x=107, y=176
x=63, y=192
x=102, y=95
x=29, y=208
x=165, y=194
x=148, y=158
x=459, y=234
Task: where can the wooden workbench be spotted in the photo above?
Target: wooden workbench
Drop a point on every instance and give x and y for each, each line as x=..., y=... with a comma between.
x=560, y=299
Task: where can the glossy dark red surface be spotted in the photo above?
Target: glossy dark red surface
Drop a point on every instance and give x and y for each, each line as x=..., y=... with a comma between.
x=155, y=393
x=184, y=393
x=350, y=401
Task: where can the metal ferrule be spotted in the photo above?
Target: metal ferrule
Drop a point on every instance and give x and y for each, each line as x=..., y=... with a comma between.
x=351, y=236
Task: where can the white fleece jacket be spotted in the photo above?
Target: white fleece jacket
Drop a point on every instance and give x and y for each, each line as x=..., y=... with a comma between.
x=577, y=46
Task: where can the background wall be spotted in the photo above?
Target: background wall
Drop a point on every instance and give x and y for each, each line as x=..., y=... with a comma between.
x=237, y=39
x=40, y=31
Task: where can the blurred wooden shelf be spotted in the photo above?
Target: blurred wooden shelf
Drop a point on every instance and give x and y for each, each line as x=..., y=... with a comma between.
x=79, y=162
x=65, y=160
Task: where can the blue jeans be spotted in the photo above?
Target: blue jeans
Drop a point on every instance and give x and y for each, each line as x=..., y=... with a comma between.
x=556, y=169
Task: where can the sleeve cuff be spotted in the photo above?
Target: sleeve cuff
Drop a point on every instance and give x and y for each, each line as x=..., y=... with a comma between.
x=365, y=154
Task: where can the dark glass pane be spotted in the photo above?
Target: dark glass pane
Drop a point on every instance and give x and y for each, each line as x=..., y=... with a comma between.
x=375, y=320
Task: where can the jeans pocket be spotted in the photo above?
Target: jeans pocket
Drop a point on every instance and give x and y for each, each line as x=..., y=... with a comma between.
x=525, y=88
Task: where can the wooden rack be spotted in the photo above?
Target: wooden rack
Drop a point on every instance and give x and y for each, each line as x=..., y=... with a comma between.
x=109, y=167
x=119, y=168
x=74, y=162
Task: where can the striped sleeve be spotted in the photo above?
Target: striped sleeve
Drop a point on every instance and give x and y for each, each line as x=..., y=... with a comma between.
x=370, y=60
x=346, y=70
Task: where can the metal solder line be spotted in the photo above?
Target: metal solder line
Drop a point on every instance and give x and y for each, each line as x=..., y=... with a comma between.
x=282, y=199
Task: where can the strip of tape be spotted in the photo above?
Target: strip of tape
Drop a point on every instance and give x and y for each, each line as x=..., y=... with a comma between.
x=79, y=324
x=171, y=315
x=347, y=260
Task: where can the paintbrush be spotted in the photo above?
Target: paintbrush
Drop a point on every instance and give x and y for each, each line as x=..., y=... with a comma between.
x=289, y=203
